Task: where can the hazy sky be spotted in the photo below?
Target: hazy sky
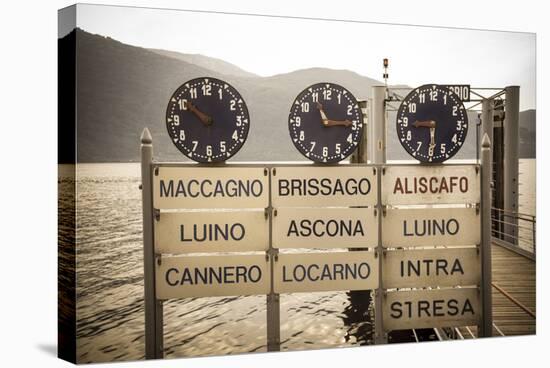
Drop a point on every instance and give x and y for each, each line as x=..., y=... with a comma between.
x=274, y=45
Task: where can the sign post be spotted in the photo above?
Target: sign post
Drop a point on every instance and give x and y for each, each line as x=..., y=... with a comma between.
x=486, y=326
x=153, y=307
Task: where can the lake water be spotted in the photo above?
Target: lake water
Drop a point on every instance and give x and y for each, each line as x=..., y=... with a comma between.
x=110, y=319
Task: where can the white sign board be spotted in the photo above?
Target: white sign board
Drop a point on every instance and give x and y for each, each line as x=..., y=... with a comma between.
x=211, y=231
x=328, y=271
x=324, y=228
x=405, y=268
x=198, y=276
x=327, y=186
x=405, y=310
x=412, y=227
x=426, y=184
x=210, y=187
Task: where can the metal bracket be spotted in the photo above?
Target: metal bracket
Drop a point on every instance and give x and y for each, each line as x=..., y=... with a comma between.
x=265, y=171
x=478, y=208
x=156, y=214
x=158, y=258
x=156, y=171
x=383, y=171
x=275, y=212
x=266, y=213
x=384, y=210
x=274, y=171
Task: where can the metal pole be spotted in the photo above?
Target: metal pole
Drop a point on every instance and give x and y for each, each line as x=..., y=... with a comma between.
x=377, y=124
x=486, y=325
x=511, y=158
x=487, y=111
x=153, y=308
x=273, y=299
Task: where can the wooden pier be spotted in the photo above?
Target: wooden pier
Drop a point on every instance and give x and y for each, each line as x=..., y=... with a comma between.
x=514, y=294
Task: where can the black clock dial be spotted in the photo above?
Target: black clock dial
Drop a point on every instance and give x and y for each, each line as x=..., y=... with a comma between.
x=207, y=120
x=432, y=123
x=325, y=123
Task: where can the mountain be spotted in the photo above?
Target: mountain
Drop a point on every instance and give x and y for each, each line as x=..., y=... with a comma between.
x=122, y=88
x=206, y=62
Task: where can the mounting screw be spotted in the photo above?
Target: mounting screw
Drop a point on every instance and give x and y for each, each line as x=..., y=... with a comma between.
x=265, y=171
x=156, y=170
x=274, y=171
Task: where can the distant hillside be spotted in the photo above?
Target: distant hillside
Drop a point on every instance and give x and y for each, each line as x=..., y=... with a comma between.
x=123, y=88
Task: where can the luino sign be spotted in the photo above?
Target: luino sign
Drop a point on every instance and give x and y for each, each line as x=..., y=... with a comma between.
x=256, y=209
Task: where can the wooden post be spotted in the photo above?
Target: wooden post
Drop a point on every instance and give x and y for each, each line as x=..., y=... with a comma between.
x=377, y=141
x=273, y=299
x=153, y=308
x=486, y=325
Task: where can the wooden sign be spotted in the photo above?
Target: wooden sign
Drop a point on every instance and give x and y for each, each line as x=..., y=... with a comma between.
x=405, y=268
x=327, y=186
x=198, y=276
x=413, y=227
x=204, y=187
x=324, y=228
x=426, y=184
x=431, y=308
x=328, y=271
x=201, y=231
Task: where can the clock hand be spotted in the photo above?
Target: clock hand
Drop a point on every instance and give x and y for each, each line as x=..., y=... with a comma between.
x=424, y=123
x=328, y=122
x=205, y=119
x=432, y=141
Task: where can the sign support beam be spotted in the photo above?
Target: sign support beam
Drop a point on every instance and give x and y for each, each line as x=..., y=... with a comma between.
x=153, y=308
x=377, y=141
x=511, y=160
x=273, y=299
x=486, y=327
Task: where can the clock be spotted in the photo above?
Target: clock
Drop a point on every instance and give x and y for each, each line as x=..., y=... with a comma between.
x=207, y=120
x=432, y=123
x=325, y=123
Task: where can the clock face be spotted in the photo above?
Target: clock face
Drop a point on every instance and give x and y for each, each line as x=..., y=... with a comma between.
x=207, y=120
x=432, y=123
x=325, y=123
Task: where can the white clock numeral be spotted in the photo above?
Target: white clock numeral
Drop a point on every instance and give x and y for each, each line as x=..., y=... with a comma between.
x=455, y=110
x=206, y=90
x=312, y=143
x=350, y=108
x=339, y=97
x=183, y=104
x=431, y=151
x=337, y=148
x=302, y=135
x=433, y=95
x=422, y=98
x=412, y=107
x=354, y=125
x=220, y=93
x=195, y=144
x=222, y=146
x=315, y=97
x=305, y=106
x=232, y=104
x=325, y=151
x=297, y=121
x=327, y=93
x=443, y=148
x=445, y=99
x=409, y=135
x=418, y=145
x=208, y=150
x=193, y=92
x=239, y=120
x=235, y=136
x=459, y=125
x=182, y=135
x=405, y=122
x=349, y=139
x=176, y=120
x=454, y=139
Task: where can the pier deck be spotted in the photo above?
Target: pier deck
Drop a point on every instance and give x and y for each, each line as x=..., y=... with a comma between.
x=514, y=294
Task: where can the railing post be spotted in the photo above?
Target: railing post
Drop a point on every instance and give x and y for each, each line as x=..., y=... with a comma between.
x=486, y=325
x=377, y=142
x=153, y=308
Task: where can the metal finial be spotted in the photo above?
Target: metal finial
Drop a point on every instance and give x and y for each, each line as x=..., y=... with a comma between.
x=486, y=141
x=146, y=137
